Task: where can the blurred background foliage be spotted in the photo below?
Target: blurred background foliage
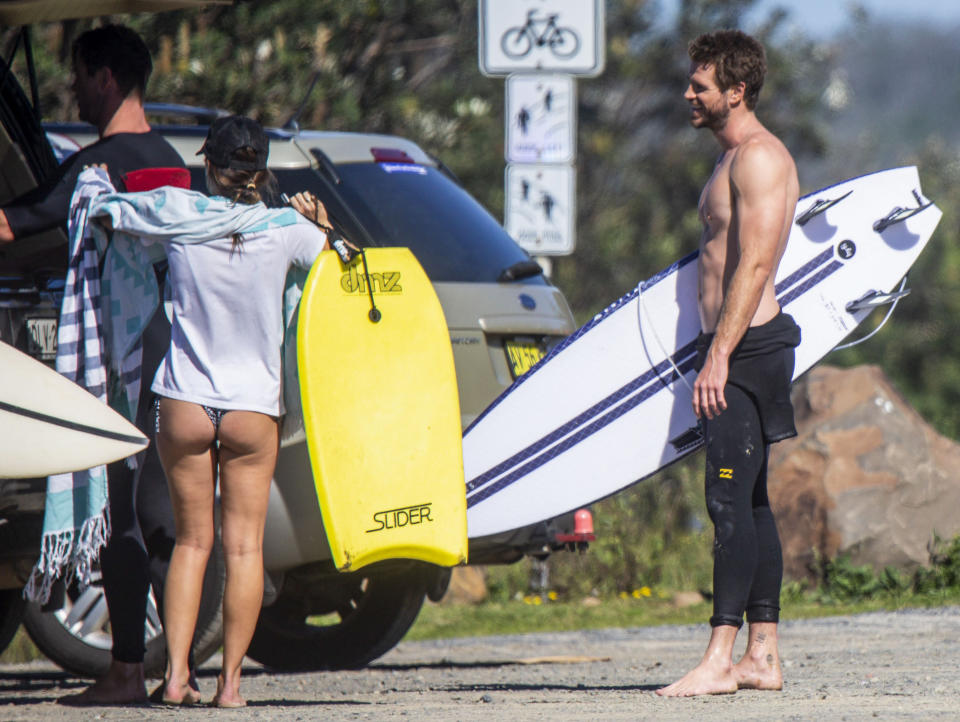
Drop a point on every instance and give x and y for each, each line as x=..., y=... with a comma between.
x=851, y=104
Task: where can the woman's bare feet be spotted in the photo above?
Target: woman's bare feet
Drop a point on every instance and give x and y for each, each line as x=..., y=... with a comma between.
x=180, y=694
x=122, y=684
x=226, y=697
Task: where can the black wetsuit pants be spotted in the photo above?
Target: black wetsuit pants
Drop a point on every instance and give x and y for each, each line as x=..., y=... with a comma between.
x=141, y=519
x=748, y=563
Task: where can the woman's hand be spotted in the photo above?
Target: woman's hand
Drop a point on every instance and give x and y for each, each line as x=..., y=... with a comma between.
x=307, y=205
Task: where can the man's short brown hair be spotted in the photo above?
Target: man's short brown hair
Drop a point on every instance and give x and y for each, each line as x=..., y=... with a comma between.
x=736, y=58
x=120, y=49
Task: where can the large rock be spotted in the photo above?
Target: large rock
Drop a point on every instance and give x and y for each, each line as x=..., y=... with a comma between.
x=866, y=476
x=468, y=585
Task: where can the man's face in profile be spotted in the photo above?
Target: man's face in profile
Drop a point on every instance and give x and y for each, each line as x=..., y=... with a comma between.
x=709, y=107
x=87, y=90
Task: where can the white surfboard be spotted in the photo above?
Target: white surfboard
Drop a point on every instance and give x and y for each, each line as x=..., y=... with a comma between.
x=607, y=408
x=49, y=425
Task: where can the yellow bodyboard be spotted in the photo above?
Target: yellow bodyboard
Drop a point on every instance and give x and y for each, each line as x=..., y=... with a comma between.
x=381, y=411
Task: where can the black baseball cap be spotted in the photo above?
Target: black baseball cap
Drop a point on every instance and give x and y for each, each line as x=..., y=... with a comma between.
x=228, y=135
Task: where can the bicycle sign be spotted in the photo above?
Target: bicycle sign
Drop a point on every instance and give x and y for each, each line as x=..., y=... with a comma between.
x=564, y=36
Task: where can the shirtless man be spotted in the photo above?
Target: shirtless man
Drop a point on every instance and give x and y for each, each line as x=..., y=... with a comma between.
x=745, y=358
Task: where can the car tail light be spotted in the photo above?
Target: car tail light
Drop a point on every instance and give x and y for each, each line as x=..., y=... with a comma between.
x=390, y=155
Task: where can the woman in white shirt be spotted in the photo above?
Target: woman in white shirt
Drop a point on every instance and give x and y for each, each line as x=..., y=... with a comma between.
x=220, y=399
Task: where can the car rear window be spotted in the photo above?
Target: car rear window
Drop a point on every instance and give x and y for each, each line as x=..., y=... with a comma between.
x=406, y=204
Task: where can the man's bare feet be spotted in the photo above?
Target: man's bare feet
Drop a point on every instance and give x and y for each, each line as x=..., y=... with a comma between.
x=122, y=684
x=705, y=678
x=759, y=668
x=227, y=697
x=714, y=674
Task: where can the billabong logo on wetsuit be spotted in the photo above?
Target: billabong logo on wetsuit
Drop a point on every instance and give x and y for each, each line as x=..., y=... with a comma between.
x=404, y=516
x=726, y=473
x=353, y=281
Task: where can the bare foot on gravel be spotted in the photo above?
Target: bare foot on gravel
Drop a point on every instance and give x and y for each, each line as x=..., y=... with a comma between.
x=122, y=684
x=705, y=678
x=226, y=697
x=760, y=666
x=751, y=677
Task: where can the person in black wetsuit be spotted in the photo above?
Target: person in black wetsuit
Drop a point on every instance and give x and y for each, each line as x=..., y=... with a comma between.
x=111, y=66
x=745, y=358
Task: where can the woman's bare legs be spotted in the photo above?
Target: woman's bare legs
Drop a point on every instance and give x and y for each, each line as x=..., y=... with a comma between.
x=248, y=455
x=185, y=443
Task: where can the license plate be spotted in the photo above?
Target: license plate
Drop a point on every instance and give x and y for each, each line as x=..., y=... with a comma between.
x=521, y=357
x=42, y=338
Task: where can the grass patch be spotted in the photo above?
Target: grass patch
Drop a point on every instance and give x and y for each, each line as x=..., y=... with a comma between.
x=842, y=588
x=21, y=649
x=445, y=621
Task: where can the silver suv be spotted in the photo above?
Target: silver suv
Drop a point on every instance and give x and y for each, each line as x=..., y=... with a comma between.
x=380, y=191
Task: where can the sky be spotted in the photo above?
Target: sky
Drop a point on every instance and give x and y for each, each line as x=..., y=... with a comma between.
x=822, y=18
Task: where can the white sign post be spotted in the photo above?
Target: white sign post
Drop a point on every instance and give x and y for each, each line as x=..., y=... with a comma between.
x=540, y=119
x=562, y=36
x=540, y=207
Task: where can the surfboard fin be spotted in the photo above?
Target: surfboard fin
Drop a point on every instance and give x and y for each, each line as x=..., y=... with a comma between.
x=689, y=439
x=818, y=207
x=898, y=214
x=873, y=299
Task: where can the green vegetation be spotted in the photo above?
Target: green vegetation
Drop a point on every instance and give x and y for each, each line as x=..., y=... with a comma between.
x=843, y=588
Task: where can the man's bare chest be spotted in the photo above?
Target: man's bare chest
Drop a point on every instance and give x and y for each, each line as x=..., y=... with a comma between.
x=716, y=206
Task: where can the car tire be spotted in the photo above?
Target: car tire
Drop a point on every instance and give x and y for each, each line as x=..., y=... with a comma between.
x=11, y=612
x=365, y=614
x=77, y=637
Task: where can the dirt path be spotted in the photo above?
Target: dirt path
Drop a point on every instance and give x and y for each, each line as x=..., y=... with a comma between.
x=892, y=666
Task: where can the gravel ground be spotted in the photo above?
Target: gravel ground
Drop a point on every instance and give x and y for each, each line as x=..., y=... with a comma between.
x=893, y=666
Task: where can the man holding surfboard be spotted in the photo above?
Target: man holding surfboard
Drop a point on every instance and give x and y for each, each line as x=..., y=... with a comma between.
x=111, y=67
x=745, y=357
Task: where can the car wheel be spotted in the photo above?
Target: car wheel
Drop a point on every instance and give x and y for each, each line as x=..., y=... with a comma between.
x=77, y=636
x=11, y=612
x=343, y=621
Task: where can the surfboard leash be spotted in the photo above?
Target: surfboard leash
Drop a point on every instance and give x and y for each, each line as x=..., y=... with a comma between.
x=374, y=314
x=642, y=311
x=874, y=300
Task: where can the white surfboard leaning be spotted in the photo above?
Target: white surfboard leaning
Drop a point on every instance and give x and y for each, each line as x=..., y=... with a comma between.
x=49, y=425
x=607, y=408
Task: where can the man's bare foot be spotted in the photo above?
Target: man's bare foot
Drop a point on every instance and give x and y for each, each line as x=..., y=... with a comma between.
x=122, y=684
x=759, y=668
x=226, y=697
x=714, y=674
x=705, y=678
x=751, y=675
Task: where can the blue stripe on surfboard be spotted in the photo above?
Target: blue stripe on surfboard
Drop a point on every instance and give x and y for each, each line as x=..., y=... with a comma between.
x=571, y=441
x=804, y=270
x=798, y=291
x=616, y=305
x=616, y=413
x=652, y=376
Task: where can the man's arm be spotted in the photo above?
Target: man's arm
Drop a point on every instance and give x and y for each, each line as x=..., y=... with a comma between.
x=758, y=182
